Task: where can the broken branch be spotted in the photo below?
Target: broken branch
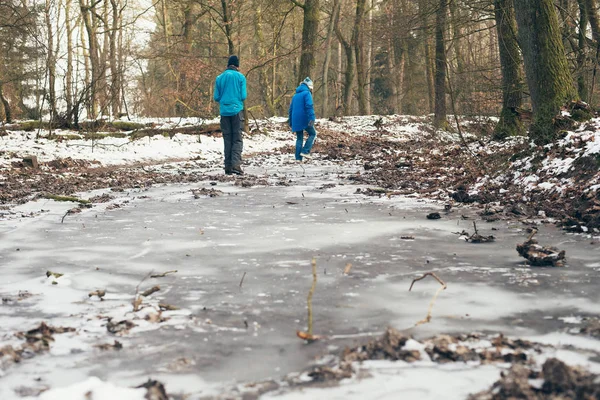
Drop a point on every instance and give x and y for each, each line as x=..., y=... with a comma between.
x=163, y=274
x=442, y=287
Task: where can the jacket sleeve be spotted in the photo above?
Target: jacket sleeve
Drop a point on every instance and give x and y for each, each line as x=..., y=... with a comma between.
x=290, y=112
x=309, y=107
x=243, y=88
x=217, y=95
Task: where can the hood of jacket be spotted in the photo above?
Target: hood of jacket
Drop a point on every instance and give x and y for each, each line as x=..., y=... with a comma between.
x=302, y=88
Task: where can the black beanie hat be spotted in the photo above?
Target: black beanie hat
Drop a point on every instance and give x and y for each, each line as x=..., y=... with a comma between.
x=233, y=60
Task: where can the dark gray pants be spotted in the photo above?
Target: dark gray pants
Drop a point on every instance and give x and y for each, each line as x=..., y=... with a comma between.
x=232, y=138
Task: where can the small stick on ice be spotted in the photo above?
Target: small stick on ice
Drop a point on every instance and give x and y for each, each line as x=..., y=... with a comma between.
x=137, y=300
x=148, y=292
x=242, y=281
x=347, y=269
x=443, y=287
x=163, y=274
x=310, y=295
x=309, y=335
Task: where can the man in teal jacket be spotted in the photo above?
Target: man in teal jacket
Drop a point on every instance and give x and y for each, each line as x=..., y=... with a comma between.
x=230, y=92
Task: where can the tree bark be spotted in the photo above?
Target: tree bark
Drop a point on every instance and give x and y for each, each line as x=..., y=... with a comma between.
x=358, y=44
x=94, y=57
x=348, y=73
x=115, y=85
x=439, y=120
x=70, y=27
x=50, y=62
x=6, y=105
x=227, y=21
x=262, y=73
x=512, y=79
x=332, y=23
x=310, y=30
x=546, y=68
x=429, y=62
x=581, y=51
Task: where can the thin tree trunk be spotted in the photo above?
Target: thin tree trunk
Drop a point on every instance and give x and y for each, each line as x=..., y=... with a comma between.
x=581, y=51
x=262, y=74
x=439, y=120
x=228, y=29
x=50, y=62
x=429, y=60
x=86, y=12
x=114, y=69
x=86, y=66
x=369, y=58
x=546, y=68
x=332, y=22
x=338, y=86
x=348, y=73
x=512, y=79
x=70, y=26
x=393, y=81
x=6, y=105
x=358, y=44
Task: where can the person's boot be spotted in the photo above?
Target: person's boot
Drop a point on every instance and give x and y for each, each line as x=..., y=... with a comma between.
x=237, y=169
x=228, y=171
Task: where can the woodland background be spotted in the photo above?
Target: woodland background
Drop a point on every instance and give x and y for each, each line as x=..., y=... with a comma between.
x=64, y=60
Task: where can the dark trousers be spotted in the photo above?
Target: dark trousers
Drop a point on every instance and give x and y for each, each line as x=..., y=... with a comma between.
x=231, y=126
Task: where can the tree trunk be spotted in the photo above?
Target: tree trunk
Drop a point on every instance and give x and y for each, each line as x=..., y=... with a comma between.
x=86, y=12
x=546, y=68
x=114, y=69
x=358, y=44
x=262, y=73
x=439, y=120
x=50, y=63
x=512, y=79
x=70, y=27
x=369, y=60
x=429, y=62
x=348, y=73
x=228, y=29
x=581, y=51
x=6, y=105
x=332, y=23
x=310, y=31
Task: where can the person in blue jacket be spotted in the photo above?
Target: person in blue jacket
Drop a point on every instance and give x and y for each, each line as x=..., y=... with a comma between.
x=230, y=92
x=302, y=118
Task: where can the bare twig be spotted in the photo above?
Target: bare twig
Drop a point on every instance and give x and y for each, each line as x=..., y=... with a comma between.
x=310, y=295
x=442, y=287
x=475, y=227
x=242, y=281
x=137, y=300
x=425, y=275
x=163, y=274
x=148, y=292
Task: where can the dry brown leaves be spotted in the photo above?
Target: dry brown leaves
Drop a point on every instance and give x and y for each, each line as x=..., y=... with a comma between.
x=559, y=382
x=37, y=340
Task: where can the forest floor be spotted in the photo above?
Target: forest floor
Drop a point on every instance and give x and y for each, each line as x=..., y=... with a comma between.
x=74, y=320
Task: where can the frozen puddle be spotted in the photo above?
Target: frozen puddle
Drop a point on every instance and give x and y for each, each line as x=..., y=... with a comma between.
x=239, y=293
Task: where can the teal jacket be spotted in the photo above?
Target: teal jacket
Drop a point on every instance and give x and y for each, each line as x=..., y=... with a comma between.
x=230, y=92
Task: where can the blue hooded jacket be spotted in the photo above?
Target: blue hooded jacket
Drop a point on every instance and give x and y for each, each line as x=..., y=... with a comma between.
x=230, y=92
x=301, y=109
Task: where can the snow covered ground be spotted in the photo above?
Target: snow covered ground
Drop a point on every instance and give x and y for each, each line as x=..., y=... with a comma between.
x=242, y=256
